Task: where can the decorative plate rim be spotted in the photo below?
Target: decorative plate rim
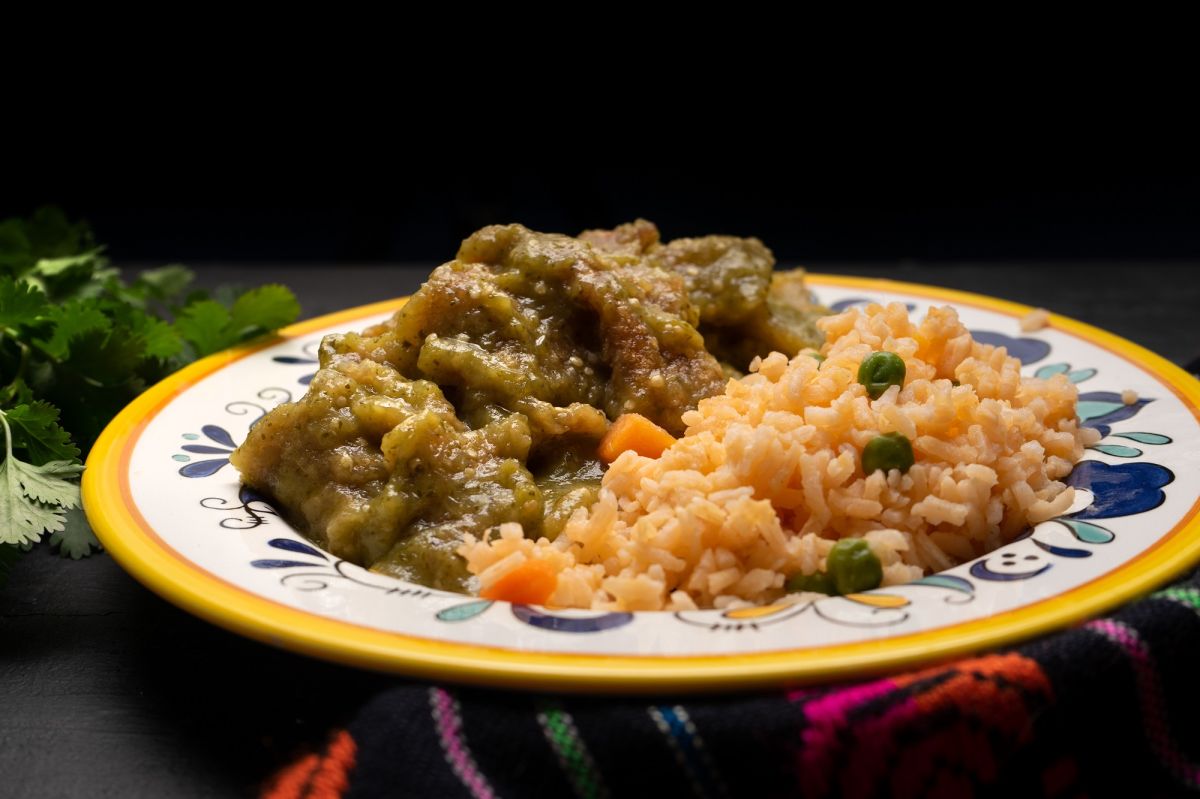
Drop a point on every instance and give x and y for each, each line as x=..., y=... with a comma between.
x=141, y=552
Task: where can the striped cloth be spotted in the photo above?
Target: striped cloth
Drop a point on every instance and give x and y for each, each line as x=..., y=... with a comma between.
x=1105, y=708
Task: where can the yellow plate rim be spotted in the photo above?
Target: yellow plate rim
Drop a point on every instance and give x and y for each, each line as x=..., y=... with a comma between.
x=135, y=546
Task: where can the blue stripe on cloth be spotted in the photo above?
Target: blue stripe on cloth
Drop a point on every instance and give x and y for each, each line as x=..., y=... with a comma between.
x=687, y=745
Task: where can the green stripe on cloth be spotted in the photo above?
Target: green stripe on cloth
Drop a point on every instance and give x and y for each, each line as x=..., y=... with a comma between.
x=573, y=756
x=1184, y=596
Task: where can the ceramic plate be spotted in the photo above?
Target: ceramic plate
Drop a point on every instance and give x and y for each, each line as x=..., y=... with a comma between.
x=167, y=505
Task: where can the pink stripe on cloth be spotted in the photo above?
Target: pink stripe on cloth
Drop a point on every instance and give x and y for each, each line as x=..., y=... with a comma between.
x=826, y=720
x=1150, y=697
x=448, y=723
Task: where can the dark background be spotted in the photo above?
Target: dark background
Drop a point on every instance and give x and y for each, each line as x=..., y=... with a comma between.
x=843, y=205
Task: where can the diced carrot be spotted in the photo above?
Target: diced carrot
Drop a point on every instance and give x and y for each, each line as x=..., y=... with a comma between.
x=531, y=583
x=636, y=432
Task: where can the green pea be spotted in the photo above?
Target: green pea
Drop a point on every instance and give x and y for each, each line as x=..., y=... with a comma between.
x=819, y=582
x=853, y=566
x=879, y=371
x=887, y=452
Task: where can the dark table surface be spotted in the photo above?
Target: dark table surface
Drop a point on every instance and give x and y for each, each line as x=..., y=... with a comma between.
x=107, y=690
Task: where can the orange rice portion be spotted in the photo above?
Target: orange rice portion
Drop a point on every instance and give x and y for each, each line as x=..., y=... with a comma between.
x=768, y=475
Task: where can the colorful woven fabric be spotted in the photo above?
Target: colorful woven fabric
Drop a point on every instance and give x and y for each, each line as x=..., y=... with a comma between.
x=1105, y=708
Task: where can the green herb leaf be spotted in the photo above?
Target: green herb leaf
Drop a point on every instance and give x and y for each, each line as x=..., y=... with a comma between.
x=34, y=428
x=77, y=344
x=20, y=303
x=107, y=360
x=48, y=483
x=162, y=340
x=16, y=393
x=74, y=320
x=22, y=519
x=76, y=540
x=264, y=308
x=33, y=499
x=209, y=327
x=206, y=326
x=52, y=267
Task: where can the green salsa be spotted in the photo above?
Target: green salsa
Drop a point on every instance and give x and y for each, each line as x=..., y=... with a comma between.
x=482, y=400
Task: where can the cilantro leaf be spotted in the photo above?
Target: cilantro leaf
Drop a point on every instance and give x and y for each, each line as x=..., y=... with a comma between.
x=264, y=308
x=162, y=340
x=16, y=393
x=33, y=499
x=209, y=327
x=68, y=276
x=52, y=267
x=74, y=320
x=20, y=303
x=22, y=518
x=206, y=326
x=76, y=540
x=109, y=359
x=34, y=428
x=48, y=483
x=77, y=343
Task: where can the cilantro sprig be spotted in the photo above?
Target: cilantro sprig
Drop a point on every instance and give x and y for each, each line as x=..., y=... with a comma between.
x=77, y=343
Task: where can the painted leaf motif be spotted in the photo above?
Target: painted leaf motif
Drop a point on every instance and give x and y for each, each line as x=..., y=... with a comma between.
x=878, y=600
x=1080, y=375
x=1077, y=376
x=1062, y=552
x=295, y=546
x=203, y=468
x=218, y=434
x=570, y=624
x=946, y=581
x=204, y=450
x=267, y=563
x=1117, y=450
x=1050, y=370
x=1094, y=409
x=1087, y=532
x=1103, y=408
x=1154, y=439
x=468, y=610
